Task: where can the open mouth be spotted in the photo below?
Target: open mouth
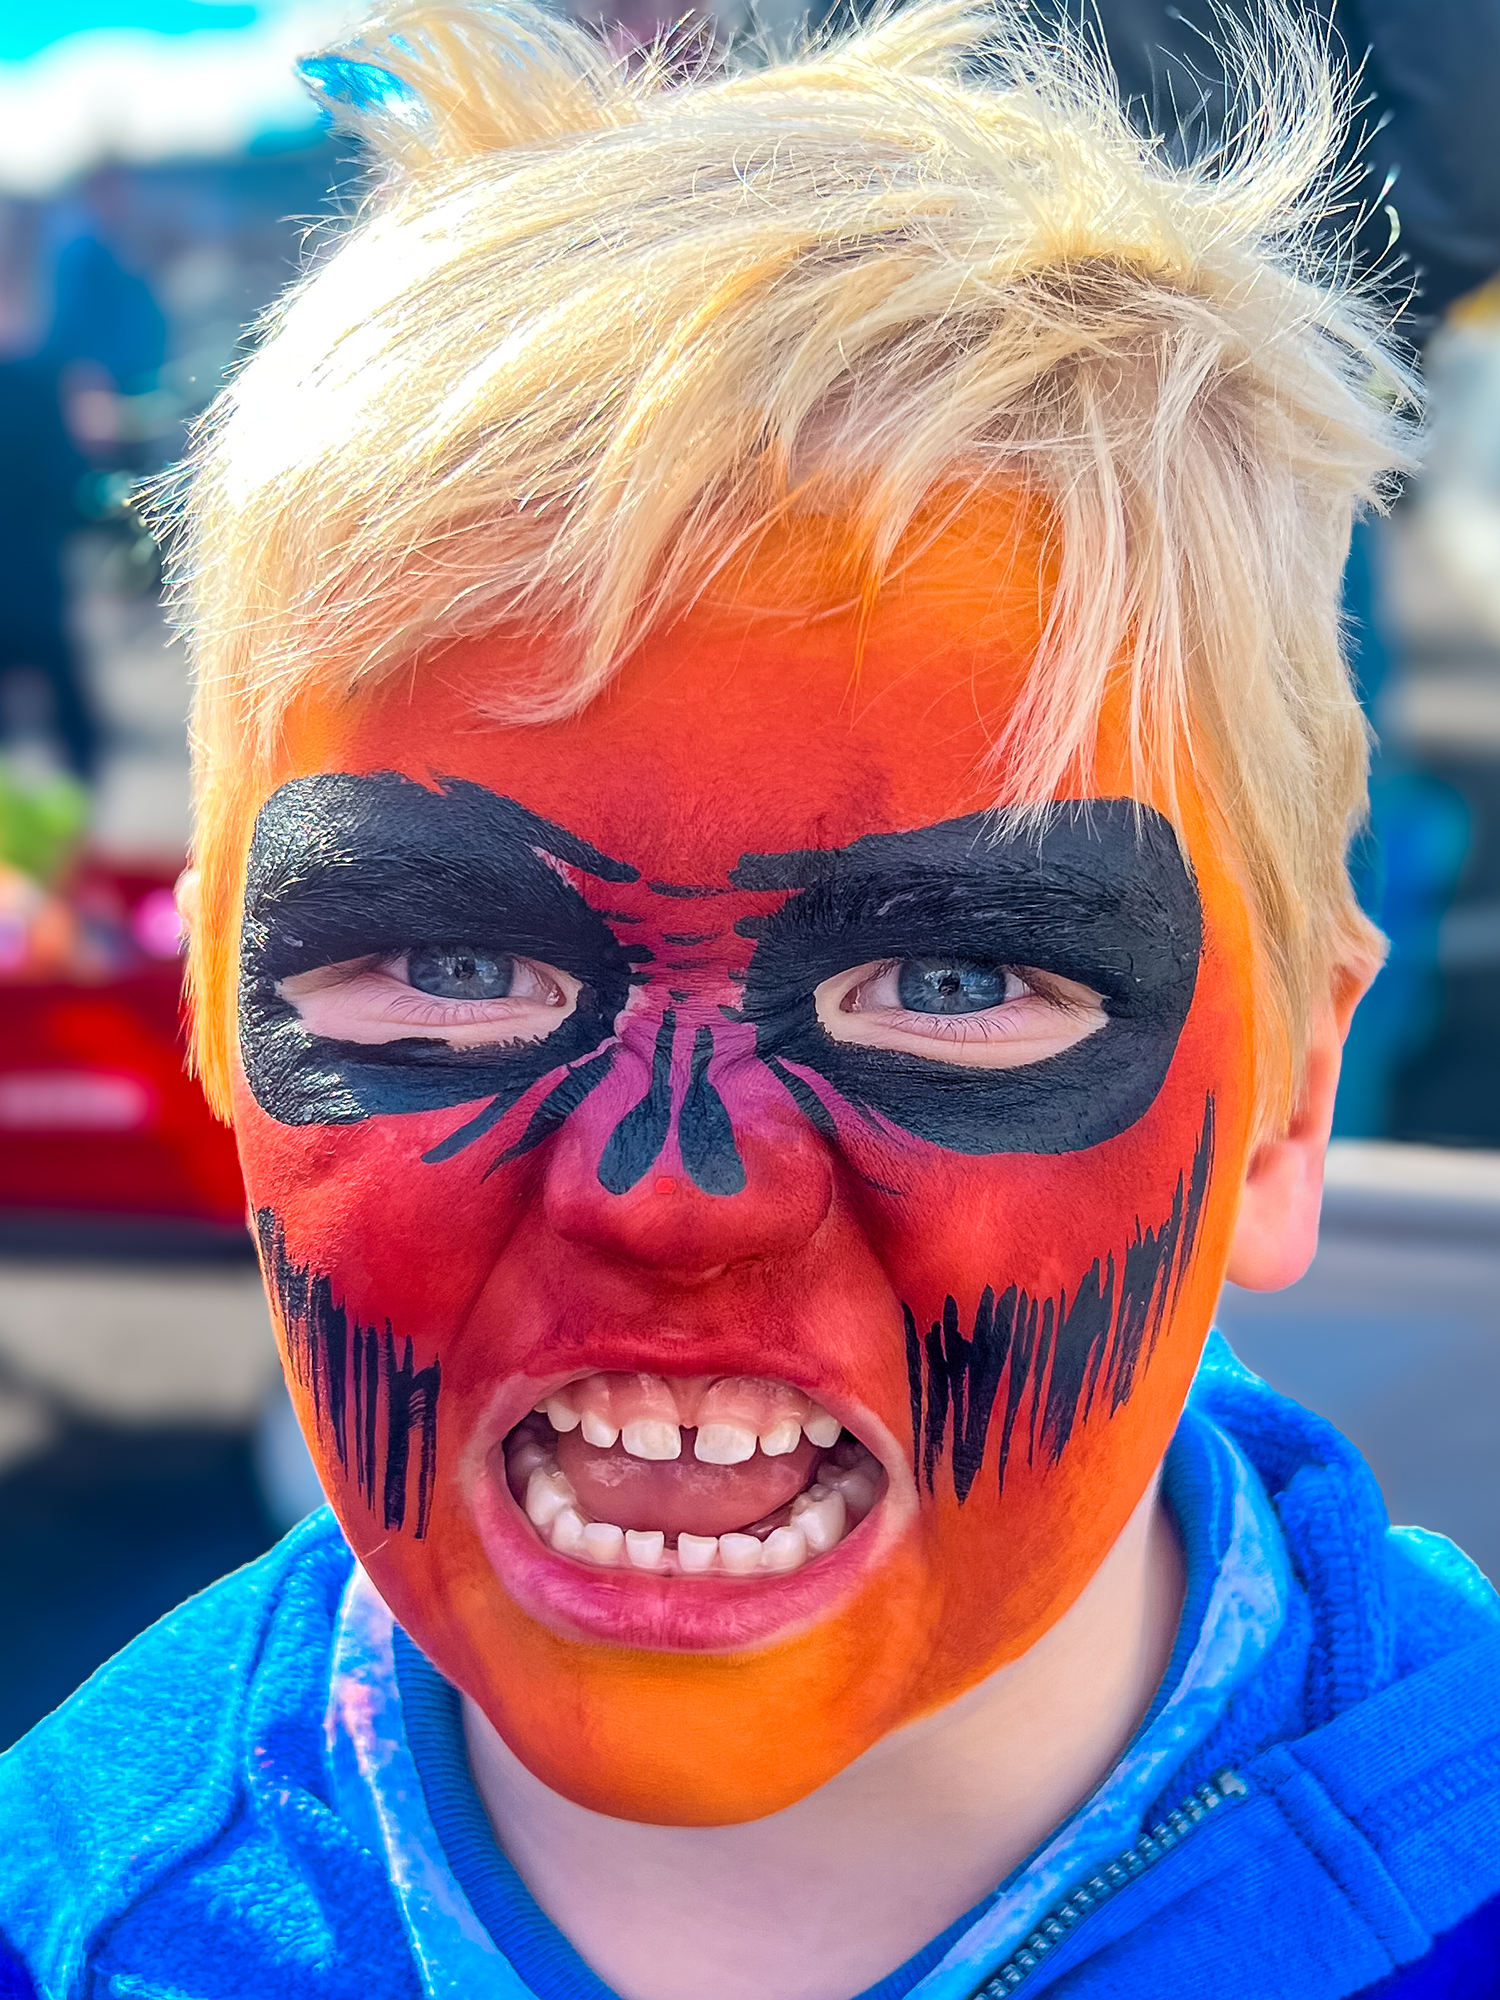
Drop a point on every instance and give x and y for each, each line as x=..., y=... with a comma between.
x=689, y=1476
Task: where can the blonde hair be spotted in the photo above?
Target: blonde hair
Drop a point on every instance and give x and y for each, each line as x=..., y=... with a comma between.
x=599, y=325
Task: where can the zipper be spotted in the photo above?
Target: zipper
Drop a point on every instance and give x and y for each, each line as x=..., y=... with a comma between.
x=1154, y=1845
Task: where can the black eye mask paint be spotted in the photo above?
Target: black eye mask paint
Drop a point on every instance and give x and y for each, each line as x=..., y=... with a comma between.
x=342, y=867
x=1102, y=896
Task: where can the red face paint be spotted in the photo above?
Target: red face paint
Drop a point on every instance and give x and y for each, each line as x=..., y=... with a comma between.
x=824, y=1119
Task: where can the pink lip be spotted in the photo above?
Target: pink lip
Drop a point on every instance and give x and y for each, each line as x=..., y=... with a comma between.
x=675, y=1614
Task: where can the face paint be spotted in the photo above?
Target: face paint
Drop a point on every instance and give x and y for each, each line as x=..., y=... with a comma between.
x=741, y=1233
x=1101, y=897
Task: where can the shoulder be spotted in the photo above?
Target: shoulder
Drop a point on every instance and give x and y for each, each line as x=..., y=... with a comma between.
x=174, y=1809
x=1384, y=1774
x=1385, y=1601
x=163, y=1718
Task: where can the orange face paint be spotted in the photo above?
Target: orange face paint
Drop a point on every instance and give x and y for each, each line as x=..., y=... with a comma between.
x=702, y=1164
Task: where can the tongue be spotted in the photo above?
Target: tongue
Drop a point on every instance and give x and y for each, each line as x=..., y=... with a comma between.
x=681, y=1495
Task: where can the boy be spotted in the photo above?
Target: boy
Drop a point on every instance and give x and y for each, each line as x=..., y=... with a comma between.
x=774, y=773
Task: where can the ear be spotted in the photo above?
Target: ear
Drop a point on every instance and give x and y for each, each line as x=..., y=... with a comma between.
x=1276, y=1232
x=187, y=895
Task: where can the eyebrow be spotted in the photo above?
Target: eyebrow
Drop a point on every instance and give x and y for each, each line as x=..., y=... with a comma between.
x=342, y=864
x=1095, y=843
x=337, y=813
x=1100, y=875
x=1008, y=898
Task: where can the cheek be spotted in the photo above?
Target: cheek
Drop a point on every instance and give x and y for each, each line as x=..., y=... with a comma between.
x=403, y=1239
x=957, y=1224
x=374, y=1262
x=1055, y=1309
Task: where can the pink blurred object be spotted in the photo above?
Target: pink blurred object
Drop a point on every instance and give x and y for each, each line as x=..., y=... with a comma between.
x=156, y=924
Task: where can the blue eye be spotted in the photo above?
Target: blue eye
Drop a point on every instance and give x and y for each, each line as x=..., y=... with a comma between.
x=461, y=972
x=949, y=986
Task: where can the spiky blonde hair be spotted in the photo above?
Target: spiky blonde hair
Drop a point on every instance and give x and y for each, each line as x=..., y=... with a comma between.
x=598, y=326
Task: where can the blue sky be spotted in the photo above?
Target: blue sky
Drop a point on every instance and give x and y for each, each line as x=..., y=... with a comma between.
x=26, y=29
x=85, y=80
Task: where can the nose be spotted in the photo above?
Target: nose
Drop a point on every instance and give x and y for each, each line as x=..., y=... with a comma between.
x=710, y=1166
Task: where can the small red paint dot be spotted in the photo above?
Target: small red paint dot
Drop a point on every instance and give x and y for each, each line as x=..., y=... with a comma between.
x=664, y=1184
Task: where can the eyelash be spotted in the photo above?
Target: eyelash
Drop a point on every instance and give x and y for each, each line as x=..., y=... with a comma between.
x=435, y=1007
x=374, y=999
x=984, y=1024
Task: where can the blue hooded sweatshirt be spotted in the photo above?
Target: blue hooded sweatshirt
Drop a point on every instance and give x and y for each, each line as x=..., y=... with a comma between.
x=173, y=1832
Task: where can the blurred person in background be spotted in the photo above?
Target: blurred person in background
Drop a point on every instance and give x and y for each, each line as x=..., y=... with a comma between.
x=106, y=318
x=40, y=468
x=104, y=341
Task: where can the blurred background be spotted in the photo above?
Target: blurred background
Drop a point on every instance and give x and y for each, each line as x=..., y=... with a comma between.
x=162, y=174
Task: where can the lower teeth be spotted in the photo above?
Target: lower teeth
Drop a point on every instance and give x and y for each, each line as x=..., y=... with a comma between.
x=846, y=1488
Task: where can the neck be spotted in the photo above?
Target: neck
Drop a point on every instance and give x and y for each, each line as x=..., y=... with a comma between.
x=825, y=1898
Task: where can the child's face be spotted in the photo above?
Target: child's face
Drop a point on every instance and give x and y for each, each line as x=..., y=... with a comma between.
x=701, y=1070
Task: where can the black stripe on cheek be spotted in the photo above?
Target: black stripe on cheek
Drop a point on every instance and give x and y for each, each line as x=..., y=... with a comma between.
x=472, y=1129
x=817, y=1114
x=560, y=1102
x=807, y=1100
x=1059, y=1352
x=354, y=1372
x=559, y=1105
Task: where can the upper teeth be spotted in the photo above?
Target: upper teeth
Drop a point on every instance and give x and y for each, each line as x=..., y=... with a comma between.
x=647, y=1414
x=781, y=1438
x=724, y=1444
x=651, y=1437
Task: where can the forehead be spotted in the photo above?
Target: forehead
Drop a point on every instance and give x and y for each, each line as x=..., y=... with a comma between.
x=752, y=723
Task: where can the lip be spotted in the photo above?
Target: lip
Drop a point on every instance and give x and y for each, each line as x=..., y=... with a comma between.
x=710, y=1614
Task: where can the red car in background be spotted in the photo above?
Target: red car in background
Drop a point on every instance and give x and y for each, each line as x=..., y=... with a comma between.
x=101, y=1127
